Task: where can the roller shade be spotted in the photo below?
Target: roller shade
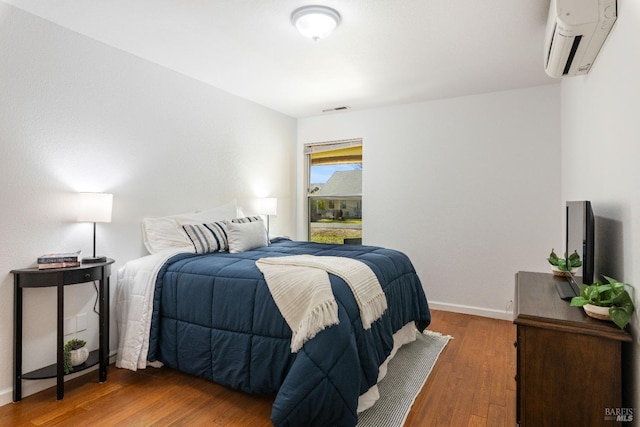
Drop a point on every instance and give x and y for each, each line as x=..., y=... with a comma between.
x=337, y=157
x=335, y=152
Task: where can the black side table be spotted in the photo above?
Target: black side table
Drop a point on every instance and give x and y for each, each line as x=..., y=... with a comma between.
x=61, y=277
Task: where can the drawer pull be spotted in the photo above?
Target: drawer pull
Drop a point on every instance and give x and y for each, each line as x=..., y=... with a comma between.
x=87, y=275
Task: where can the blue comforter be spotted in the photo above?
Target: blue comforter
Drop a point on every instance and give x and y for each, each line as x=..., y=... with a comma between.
x=214, y=317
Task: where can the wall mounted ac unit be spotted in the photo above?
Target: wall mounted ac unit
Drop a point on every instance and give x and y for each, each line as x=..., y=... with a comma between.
x=576, y=30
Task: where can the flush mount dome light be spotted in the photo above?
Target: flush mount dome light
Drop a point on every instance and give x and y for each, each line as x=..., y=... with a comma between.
x=315, y=22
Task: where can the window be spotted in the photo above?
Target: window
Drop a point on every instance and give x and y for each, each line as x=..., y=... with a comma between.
x=334, y=191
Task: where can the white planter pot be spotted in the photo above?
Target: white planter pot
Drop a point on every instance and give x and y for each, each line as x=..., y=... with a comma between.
x=597, y=312
x=79, y=356
x=561, y=273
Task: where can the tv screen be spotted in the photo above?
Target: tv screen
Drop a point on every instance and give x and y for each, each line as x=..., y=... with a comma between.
x=580, y=237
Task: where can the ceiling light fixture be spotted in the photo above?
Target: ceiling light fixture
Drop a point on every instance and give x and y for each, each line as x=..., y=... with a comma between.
x=315, y=22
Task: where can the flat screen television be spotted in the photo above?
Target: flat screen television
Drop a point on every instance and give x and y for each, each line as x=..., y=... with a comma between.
x=580, y=237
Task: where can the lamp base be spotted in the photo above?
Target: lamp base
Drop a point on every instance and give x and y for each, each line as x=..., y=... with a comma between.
x=94, y=259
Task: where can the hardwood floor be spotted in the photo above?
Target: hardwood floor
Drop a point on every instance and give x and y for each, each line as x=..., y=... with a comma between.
x=472, y=384
x=473, y=381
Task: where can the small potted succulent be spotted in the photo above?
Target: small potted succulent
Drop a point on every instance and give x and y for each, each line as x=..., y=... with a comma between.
x=75, y=353
x=564, y=266
x=606, y=301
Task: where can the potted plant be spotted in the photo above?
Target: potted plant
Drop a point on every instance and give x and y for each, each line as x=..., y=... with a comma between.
x=75, y=353
x=602, y=299
x=564, y=266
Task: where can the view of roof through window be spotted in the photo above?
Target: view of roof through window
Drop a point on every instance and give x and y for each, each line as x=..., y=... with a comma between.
x=321, y=174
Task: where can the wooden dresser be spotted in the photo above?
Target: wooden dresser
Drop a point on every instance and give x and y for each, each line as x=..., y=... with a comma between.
x=569, y=366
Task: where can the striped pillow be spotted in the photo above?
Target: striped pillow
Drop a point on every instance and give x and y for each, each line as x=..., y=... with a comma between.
x=246, y=219
x=206, y=238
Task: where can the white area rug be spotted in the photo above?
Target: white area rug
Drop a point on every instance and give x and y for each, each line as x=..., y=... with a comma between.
x=407, y=373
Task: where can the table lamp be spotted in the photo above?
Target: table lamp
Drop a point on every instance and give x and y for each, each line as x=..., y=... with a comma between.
x=268, y=206
x=95, y=207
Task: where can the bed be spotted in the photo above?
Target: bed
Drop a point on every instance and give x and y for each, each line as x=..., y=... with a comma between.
x=212, y=315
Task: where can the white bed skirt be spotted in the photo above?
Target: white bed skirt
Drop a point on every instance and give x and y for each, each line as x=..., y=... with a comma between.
x=404, y=336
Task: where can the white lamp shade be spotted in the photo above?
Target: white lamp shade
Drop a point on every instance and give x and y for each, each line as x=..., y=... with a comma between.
x=315, y=22
x=268, y=206
x=94, y=207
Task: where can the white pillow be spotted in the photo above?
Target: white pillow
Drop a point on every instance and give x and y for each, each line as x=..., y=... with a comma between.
x=246, y=236
x=166, y=232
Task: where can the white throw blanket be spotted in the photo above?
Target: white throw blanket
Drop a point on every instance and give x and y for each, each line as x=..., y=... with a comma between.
x=301, y=289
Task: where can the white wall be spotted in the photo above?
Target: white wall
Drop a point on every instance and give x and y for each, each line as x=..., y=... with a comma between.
x=77, y=115
x=601, y=157
x=469, y=188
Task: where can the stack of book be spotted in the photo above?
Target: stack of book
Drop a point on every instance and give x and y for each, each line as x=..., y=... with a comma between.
x=62, y=260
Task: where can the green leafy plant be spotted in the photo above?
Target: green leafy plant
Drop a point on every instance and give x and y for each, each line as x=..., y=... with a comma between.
x=612, y=294
x=566, y=263
x=73, y=344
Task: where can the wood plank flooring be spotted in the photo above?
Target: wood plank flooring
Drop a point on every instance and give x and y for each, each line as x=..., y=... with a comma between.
x=472, y=384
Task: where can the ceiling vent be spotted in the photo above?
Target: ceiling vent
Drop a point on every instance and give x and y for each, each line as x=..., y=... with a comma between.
x=342, y=108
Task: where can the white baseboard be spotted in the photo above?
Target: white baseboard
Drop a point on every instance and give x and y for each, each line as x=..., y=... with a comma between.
x=34, y=386
x=6, y=396
x=477, y=311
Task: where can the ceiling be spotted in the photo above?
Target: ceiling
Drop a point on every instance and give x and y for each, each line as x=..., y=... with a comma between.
x=384, y=52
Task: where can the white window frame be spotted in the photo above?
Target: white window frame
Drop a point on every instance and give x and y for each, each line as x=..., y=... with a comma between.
x=319, y=147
